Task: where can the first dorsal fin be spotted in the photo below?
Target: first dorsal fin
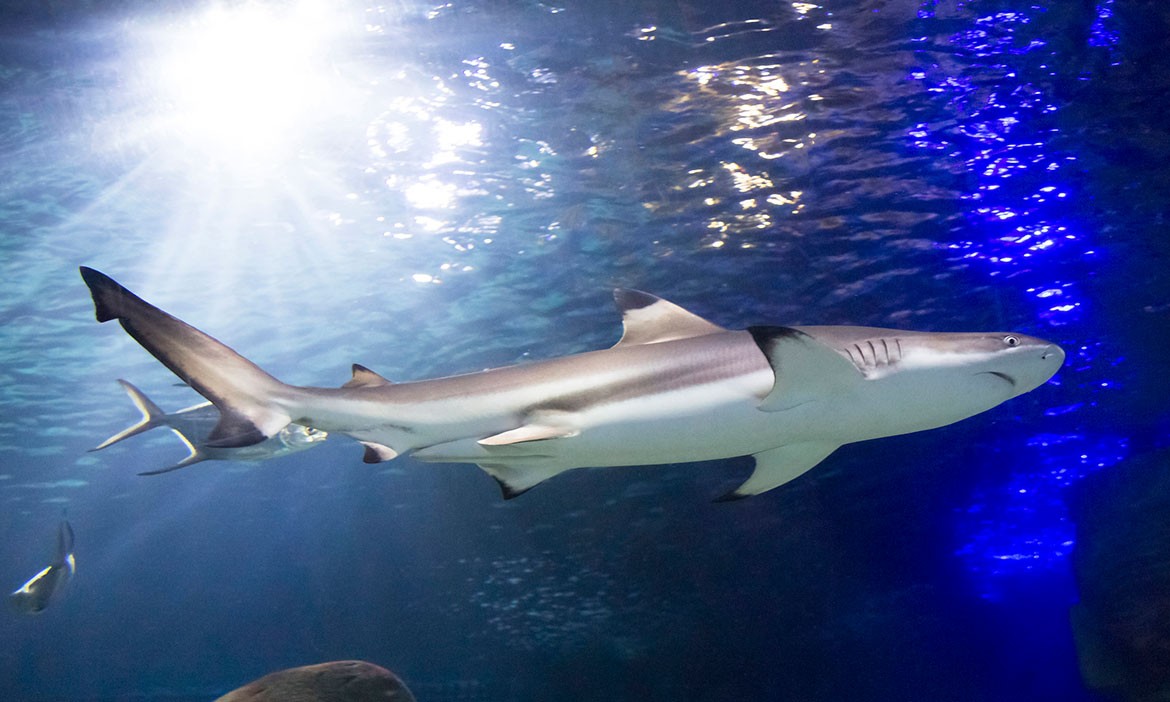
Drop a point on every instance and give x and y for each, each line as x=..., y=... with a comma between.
x=365, y=378
x=647, y=319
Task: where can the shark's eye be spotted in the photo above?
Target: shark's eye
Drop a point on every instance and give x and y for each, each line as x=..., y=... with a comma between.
x=1011, y=340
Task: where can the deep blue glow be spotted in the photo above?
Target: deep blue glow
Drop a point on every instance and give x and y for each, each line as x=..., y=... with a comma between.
x=1018, y=232
x=1103, y=33
x=1022, y=525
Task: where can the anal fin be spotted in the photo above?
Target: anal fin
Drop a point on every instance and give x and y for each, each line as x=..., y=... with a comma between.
x=777, y=466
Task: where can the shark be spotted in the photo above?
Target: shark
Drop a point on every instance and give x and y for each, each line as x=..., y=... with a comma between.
x=34, y=596
x=193, y=424
x=675, y=388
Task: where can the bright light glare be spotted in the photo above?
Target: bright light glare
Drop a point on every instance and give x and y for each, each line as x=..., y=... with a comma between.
x=430, y=194
x=247, y=76
x=450, y=136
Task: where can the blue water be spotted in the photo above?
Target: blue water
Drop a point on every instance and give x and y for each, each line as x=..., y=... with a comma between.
x=436, y=188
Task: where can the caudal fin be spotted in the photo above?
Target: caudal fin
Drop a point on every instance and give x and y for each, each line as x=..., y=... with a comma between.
x=194, y=456
x=152, y=416
x=243, y=393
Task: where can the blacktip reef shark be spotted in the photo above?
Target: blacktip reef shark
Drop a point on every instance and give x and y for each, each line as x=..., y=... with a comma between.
x=193, y=425
x=675, y=388
x=34, y=596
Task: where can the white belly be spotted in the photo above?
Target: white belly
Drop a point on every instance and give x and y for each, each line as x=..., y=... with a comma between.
x=698, y=423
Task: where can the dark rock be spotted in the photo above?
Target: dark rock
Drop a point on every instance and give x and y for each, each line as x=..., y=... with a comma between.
x=1122, y=565
x=336, y=681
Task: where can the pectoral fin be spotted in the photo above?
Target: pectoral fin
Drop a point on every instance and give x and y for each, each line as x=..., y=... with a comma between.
x=528, y=432
x=777, y=466
x=805, y=369
x=516, y=480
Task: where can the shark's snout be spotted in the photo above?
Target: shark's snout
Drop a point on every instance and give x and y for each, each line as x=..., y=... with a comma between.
x=1038, y=372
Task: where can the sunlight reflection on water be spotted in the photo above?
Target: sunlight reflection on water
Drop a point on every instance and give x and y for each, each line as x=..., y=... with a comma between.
x=441, y=188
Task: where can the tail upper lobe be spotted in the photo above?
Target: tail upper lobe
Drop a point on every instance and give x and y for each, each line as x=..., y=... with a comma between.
x=243, y=393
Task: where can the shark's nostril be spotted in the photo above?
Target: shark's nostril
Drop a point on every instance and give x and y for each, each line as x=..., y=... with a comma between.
x=1053, y=351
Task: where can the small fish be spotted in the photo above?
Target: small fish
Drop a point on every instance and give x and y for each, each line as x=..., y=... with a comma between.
x=193, y=424
x=34, y=596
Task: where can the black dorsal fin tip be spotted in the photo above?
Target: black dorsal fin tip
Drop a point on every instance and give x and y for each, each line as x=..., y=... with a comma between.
x=365, y=378
x=647, y=319
x=630, y=299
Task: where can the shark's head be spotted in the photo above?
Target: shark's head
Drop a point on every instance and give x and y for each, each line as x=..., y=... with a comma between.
x=1023, y=362
x=999, y=364
x=943, y=377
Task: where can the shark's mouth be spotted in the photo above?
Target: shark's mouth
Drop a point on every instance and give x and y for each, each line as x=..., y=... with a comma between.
x=1002, y=376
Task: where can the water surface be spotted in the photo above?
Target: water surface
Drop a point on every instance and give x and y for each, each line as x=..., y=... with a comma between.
x=437, y=188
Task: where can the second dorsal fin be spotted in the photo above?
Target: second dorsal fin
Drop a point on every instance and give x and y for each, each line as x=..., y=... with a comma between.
x=365, y=378
x=647, y=319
